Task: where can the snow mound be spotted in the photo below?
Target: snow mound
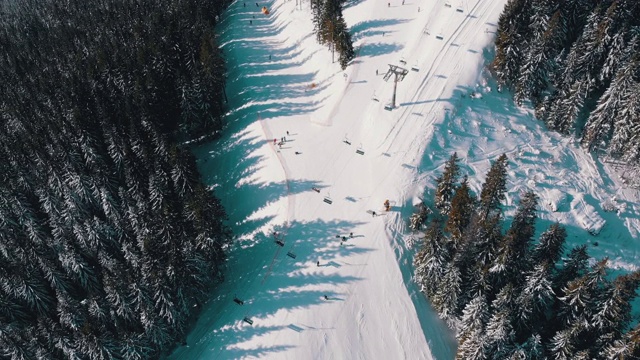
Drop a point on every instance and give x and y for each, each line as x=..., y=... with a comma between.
x=587, y=215
x=556, y=200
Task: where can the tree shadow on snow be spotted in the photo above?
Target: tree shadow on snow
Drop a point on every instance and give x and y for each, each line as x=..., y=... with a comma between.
x=375, y=49
x=260, y=273
x=351, y=3
x=372, y=27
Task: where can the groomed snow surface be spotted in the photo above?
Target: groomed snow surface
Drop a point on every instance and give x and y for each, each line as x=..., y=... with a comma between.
x=344, y=143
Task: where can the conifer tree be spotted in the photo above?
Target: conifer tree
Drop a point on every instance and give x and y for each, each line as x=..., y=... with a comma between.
x=626, y=348
x=562, y=345
x=446, y=184
x=550, y=246
x=577, y=308
x=600, y=124
x=625, y=141
x=511, y=40
x=512, y=255
x=462, y=208
x=531, y=349
x=331, y=29
x=446, y=298
x=471, y=329
x=494, y=187
x=574, y=266
x=483, y=238
x=343, y=43
x=500, y=336
x=538, y=59
x=535, y=300
x=431, y=259
x=613, y=309
x=108, y=237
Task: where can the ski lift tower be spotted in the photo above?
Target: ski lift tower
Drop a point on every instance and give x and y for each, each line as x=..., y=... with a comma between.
x=399, y=76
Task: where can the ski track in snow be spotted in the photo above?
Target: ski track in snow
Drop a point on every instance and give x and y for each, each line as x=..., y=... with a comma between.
x=281, y=80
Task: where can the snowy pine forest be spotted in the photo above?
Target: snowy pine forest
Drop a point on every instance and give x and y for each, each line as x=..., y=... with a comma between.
x=108, y=238
x=578, y=63
x=510, y=296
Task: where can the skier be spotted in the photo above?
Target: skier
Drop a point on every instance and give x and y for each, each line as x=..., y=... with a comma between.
x=298, y=153
x=270, y=60
x=388, y=4
x=274, y=141
x=287, y=130
x=344, y=238
x=376, y=72
x=351, y=235
x=373, y=213
x=250, y=22
x=318, y=263
x=244, y=4
x=326, y=297
x=257, y=5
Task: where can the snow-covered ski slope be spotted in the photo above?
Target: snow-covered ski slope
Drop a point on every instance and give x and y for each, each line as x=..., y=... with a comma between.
x=358, y=155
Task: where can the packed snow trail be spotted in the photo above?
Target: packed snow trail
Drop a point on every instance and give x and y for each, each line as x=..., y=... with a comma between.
x=280, y=81
x=369, y=312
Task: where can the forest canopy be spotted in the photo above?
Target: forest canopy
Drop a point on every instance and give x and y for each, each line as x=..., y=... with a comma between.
x=108, y=238
x=578, y=61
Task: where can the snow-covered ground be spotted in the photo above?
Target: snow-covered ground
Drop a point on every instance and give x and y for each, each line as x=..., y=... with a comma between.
x=357, y=154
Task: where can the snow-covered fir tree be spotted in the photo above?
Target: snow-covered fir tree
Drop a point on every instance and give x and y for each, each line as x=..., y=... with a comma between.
x=446, y=184
x=462, y=207
x=550, y=246
x=500, y=336
x=331, y=28
x=513, y=251
x=600, y=125
x=494, y=187
x=535, y=299
x=431, y=260
x=446, y=300
x=471, y=331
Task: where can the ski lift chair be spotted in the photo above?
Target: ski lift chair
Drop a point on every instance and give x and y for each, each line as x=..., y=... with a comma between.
x=238, y=301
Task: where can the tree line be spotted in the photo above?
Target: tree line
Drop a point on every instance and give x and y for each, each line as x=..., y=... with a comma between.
x=108, y=238
x=508, y=296
x=331, y=29
x=578, y=62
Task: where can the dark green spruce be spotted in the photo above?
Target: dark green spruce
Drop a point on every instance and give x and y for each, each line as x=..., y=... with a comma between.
x=108, y=239
x=331, y=29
